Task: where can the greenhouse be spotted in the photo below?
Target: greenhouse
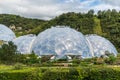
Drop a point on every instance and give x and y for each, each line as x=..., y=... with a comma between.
x=63, y=41
x=24, y=43
x=59, y=42
x=100, y=45
x=6, y=34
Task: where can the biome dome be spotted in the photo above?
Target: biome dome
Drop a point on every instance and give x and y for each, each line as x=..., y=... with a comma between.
x=61, y=41
x=24, y=43
x=6, y=34
x=100, y=45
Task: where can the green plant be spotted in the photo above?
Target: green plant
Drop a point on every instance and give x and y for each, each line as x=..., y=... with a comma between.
x=8, y=53
x=111, y=59
x=18, y=66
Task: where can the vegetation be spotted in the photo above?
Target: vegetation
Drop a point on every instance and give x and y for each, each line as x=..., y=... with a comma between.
x=31, y=67
x=105, y=23
x=20, y=24
x=60, y=73
x=8, y=53
x=17, y=66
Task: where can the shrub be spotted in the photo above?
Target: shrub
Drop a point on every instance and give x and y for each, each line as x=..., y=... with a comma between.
x=31, y=75
x=18, y=66
x=111, y=59
x=83, y=73
x=8, y=53
x=73, y=74
x=101, y=74
x=55, y=75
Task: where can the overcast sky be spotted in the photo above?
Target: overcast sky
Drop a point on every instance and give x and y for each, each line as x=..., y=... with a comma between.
x=48, y=9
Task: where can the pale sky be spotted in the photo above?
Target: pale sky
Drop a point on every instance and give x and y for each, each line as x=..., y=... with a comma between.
x=48, y=9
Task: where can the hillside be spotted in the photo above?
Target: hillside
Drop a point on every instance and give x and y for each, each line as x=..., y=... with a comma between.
x=20, y=25
x=97, y=28
x=105, y=23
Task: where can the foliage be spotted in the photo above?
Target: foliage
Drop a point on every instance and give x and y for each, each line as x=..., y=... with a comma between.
x=71, y=74
x=18, y=66
x=76, y=61
x=101, y=74
x=45, y=58
x=111, y=59
x=10, y=55
x=32, y=59
x=20, y=75
x=110, y=25
x=1, y=42
x=105, y=23
x=8, y=52
x=24, y=24
x=57, y=73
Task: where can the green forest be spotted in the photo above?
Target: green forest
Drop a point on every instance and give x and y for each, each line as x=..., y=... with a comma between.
x=104, y=23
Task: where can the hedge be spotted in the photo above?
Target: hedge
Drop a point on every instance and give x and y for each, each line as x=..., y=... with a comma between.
x=88, y=73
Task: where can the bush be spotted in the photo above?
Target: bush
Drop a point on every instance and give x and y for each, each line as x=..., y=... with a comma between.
x=83, y=73
x=55, y=75
x=8, y=53
x=111, y=59
x=101, y=74
x=18, y=66
x=73, y=74
x=32, y=75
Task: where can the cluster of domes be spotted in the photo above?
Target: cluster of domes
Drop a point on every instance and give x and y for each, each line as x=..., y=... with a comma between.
x=60, y=41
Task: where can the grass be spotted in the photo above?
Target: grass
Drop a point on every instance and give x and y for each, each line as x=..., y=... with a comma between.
x=5, y=68
x=1, y=42
x=10, y=68
x=97, y=29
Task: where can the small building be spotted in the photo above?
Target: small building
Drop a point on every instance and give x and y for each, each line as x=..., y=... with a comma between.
x=19, y=28
x=12, y=27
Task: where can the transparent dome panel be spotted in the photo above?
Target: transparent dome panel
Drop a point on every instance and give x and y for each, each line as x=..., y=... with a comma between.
x=6, y=34
x=100, y=45
x=24, y=43
x=61, y=41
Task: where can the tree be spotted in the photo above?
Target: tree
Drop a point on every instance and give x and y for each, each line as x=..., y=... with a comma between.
x=99, y=14
x=91, y=13
x=8, y=52
x=32, y=59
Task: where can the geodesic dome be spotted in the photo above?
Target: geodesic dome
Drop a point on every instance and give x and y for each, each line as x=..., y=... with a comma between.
x=99, y=45
x=24, y=43
x=61, y=41
x=6, y=34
